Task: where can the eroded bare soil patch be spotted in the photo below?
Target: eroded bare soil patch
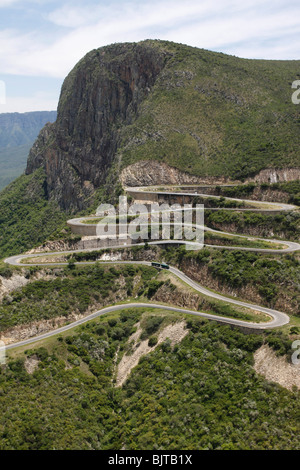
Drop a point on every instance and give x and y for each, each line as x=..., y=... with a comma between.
x=276, y=369
x=175, y=332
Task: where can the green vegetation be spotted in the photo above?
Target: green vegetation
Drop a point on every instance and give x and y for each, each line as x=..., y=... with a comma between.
x=27, y=218
x=108, y=219
x=151, y=326
x=92, y=221
x=291, y=188
x=270, y=277
x=285, y=226
x=211, y=238
x=80, y=289
x=221, y=202
x=239, y=191
x=73, y=290
x=246, y=190
x=201, y=394
x=152, y=341
x=210, y=113
x=64, y=233
x=6, y=271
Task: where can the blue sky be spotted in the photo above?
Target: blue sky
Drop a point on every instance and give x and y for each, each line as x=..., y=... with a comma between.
x=41, y=40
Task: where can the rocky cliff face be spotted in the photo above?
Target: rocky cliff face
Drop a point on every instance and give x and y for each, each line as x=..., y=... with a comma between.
x=149, y=173
x=271, y=175
x=102, y=92
x=162, y=113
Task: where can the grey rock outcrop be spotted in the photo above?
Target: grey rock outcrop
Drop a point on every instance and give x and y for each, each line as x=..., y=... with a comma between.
x=101, y=93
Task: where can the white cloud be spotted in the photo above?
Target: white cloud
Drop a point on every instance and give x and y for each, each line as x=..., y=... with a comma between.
x=73, y=17
x=235, y=27
x=250, y=28
x=247, y=35
x=39, y=101
x=149, y=13
x=7, y=3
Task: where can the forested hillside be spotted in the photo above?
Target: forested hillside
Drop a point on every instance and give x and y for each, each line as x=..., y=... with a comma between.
x=200, y=394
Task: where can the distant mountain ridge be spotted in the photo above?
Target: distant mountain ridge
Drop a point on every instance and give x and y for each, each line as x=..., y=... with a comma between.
x=18, y=132
x=22, y=128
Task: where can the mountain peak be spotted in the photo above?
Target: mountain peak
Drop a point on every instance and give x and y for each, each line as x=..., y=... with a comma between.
x=203, y=113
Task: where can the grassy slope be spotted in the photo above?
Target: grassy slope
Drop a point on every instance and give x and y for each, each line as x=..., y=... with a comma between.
x=217, y=114
x=269, y=280
x=82, y=289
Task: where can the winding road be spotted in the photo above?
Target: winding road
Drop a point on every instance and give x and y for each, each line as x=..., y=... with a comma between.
x=277, y=318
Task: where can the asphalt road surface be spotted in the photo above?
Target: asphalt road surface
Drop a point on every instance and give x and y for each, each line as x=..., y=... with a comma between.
x=276, y=318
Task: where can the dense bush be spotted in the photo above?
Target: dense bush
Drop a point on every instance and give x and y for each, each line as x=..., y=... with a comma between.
x=285, y=225
x=201, y=394
x=269, y=275
x=74, y=289
x=151, y=326
x=27, y=218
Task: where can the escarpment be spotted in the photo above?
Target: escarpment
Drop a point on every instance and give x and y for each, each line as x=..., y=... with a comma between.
x=158, y=112
x=101, y=94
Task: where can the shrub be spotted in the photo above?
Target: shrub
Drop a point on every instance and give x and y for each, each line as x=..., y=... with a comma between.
x=152, y=341
x=6, y=272
x=151, y=326
x=153, y=287
x=42, y=353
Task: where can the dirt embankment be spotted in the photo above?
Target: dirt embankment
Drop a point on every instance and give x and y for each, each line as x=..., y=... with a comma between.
x=9, y=285
x=17, y=281
x=272, y=175
x=276, y=369
x=39, y=327
x=152, y=172
x=175, y=332
x=36, y=328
